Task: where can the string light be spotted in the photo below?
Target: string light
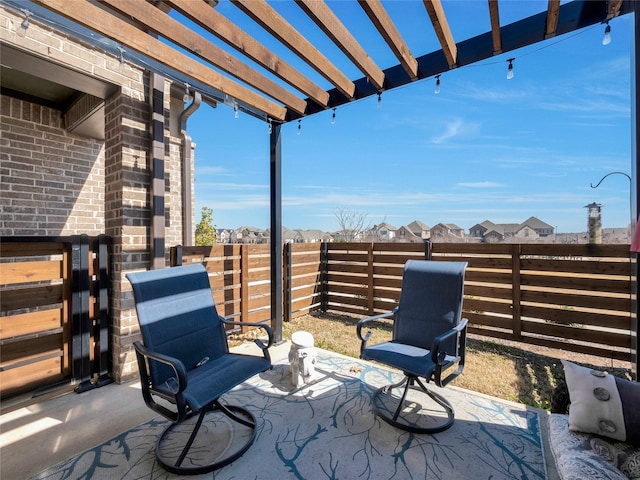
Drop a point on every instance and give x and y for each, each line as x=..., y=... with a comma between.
x=333, y=117
x=510, y=68
x=236, y=112
x=187, y=95
x=24, y=26
x=121, y=58
x=299, y=127
x=437, y=90
x=379, y=99
x=607, y=35
x=270, y=126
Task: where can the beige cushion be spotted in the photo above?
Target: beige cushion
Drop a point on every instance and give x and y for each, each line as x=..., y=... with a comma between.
x=596, y=406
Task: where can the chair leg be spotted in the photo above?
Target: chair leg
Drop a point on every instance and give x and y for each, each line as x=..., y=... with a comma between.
x=170, y=438
x=384, y=403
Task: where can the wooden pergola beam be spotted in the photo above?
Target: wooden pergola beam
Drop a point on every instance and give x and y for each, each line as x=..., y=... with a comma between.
x=553, y=10
x=441, y=27
x=330, y=24
x=88, y=15
x=381, y=20
x=218, y=25
x=155, y=20
x=276, y=25
x=613, y=8
x=496, y=35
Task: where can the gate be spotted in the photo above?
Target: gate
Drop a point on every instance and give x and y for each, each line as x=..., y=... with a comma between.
x=54, y=318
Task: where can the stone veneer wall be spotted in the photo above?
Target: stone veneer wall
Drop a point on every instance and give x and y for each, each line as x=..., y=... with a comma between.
x=55, y=183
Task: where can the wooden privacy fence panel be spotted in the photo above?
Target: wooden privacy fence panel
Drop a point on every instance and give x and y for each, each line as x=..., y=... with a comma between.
x=365, y=278
x=239, y=276
x=54, y=320
x=571, y=297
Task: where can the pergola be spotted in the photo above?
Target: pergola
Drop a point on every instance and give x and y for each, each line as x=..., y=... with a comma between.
x=261, y=83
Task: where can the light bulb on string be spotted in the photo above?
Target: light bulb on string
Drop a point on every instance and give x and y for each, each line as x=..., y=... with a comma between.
x=333, y=117
x=121, y=59
x=510, y=69
x=24, y=25
x=270, y=126
x=379, y=99
x=437, y=90
x=607, y=35
x=299, y=127
x=236, y=112
x=186, y=98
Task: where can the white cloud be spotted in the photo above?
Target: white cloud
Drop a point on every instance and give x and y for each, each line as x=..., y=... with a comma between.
x=451, y=130
x=480, y=184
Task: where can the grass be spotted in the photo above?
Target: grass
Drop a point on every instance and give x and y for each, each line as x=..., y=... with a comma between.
x=512, y=372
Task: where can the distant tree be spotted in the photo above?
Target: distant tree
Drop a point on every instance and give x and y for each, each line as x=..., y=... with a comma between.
x=352, y=223
x=206, y=230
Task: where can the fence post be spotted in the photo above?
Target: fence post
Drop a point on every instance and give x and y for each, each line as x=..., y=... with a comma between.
x=287, y=314
x=175, y=256
x=516, y=251
x=370, y=279
x=427, y=249
x=244, y=283
x=103, y=320
x=324, y=267
x=80, y=319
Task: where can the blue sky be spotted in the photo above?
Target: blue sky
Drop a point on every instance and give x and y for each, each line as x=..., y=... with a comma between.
x=484, y=148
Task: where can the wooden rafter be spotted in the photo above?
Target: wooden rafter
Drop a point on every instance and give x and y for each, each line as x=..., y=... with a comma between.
x=613, y=8
x=379, y=17
x=277, y=26
x=496, y=35
x=331, y=25
x=216, y=24
x=96, y=19
x=174, y=31
x=553, y=11
x=441, y=27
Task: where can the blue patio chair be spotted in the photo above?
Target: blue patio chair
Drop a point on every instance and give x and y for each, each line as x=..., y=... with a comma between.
x=428, y=340
x=185, y=367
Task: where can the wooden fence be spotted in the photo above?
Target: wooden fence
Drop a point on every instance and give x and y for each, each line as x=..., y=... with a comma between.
x=54, y=320
x=572, y=297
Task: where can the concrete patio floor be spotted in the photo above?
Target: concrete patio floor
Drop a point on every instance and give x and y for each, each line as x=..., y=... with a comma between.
x=43, y=434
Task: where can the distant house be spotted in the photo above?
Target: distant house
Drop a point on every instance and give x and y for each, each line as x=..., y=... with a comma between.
x=223, y=235
x=311, y=236
x=446, y=232
x=525, y=234
x=383, y=232
x=250, y=235
x=541, y=228
x=479, y=230
x=531, y=229
x=419, y=229
x=403, y=234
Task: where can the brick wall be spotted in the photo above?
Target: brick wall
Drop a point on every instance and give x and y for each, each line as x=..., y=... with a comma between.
x=55, y=183
x=51, y=182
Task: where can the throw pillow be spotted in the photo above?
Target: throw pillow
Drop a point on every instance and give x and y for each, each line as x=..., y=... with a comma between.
x=603, y=404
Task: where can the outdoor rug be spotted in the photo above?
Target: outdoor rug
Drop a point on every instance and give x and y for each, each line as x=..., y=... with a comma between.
x=327, y=430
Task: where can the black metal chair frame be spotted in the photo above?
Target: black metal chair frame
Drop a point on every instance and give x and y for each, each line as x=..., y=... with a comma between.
x=183, y=412
x=168, y=395
x=442, y=361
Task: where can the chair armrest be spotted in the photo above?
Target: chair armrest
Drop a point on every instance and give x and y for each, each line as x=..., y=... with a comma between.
x=435, y=346
x=366, y=320
x=257, y=341
x=172, y=393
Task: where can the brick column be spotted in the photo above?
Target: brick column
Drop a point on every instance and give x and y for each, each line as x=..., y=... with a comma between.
x=127, y=213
